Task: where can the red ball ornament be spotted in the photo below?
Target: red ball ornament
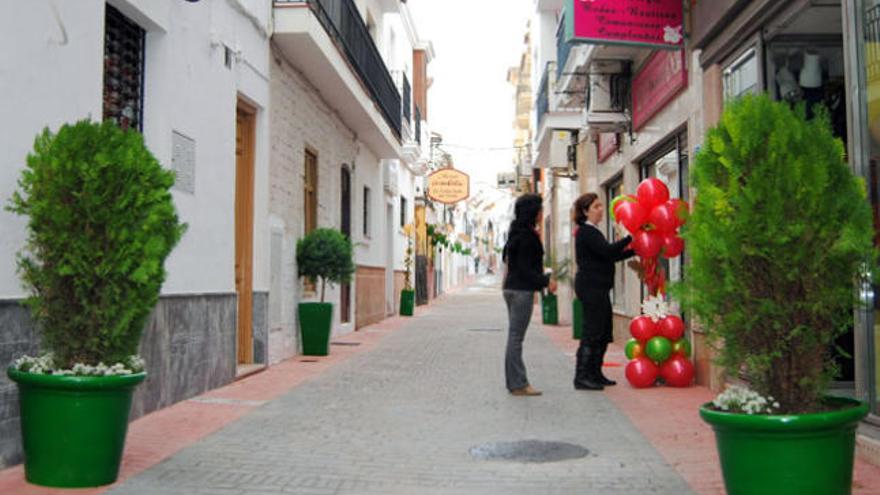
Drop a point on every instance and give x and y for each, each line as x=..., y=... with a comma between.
x=671, y=327
x=641, y=372
x=677, y=371
x=642, y=328
x=673, y=245
x=647, y=244
x=631, y=215
x=662, y=217
x=651, y=192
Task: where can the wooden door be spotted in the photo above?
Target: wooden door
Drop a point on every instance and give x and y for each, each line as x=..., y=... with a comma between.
x=345, y=223
x=244, y=228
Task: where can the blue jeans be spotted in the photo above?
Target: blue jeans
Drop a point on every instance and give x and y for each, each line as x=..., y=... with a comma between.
x=519, y=313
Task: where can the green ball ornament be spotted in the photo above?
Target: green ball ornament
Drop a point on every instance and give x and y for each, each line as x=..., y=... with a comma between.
x=658, y=349
x=682, y=347
x=633, y=349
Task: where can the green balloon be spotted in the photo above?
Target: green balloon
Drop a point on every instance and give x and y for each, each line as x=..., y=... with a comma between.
x=682, y=346
x=658, y=349
x=630, y=349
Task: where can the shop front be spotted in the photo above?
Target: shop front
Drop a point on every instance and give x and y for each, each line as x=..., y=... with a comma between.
x=809, y=52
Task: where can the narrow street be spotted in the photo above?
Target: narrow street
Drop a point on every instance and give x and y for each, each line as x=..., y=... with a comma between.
x=403, y=418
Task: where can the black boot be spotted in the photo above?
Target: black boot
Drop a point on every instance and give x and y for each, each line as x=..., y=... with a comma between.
x=597, y=363
x=584, y=378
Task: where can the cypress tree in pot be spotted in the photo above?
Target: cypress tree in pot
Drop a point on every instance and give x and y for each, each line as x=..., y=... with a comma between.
x=101, y=222
x=780, y=235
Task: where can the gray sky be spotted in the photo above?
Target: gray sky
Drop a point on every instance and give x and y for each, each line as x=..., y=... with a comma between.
x=471, y=103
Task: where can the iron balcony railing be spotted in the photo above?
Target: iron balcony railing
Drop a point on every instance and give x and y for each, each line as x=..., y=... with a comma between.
x=542, y=104
x=344, y=24
x=407, y=98
x=563, y=48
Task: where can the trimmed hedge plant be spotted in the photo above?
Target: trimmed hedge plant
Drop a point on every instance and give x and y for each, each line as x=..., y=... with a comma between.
x=325, y=254
x=101, y=222
x=780, y=231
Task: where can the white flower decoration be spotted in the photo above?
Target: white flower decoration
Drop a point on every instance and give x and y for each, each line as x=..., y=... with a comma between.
x=672, y=34
x=656, y=308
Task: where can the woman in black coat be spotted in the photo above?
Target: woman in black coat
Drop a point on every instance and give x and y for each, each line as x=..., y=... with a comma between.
x=593, y=284
x=523, y=255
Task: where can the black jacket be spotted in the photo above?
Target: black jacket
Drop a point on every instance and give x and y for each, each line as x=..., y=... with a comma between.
x=524, y=254
x=596, y=257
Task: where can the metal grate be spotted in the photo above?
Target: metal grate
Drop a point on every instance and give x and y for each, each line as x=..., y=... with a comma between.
x=123, y=70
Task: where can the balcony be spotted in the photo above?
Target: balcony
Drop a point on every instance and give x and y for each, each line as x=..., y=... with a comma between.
x=328, y=42
x=554, y=110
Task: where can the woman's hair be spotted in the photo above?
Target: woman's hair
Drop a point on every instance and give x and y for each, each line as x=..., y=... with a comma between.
x=525, y=211
x=581, y=204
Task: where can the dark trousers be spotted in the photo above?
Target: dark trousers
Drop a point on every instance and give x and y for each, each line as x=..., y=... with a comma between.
x=519, y=313
x=596, y=334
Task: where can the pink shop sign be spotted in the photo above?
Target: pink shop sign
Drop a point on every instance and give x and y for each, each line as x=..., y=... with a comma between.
x=656, y=23
x=662, y=78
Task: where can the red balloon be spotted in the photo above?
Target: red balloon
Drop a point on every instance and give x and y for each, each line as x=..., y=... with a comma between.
x=673, y=245
x=641, y=372
x=647, y=244
x=642, y=328
x=652, y=192
x=662, y=217
x=680, y=209
x=631, y=215
x=671, y=327
x=626, y=198
x=677, y=371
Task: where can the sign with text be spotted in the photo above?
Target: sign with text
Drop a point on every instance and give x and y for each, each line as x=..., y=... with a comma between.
x=656, y=23
x=448, y=186
x=660, y=80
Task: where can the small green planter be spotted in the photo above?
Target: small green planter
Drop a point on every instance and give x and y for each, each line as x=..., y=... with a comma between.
x=315, y=323
x=577, y=319
x=549, y=309
x=73, y=427
x=407, y=302
x=787, y=454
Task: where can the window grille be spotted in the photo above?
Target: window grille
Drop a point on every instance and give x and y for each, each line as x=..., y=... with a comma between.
x=123, y=70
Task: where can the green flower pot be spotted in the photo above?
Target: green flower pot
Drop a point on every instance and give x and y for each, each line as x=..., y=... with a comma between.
x=577, y=319
x=549, y=309
x=73, y=427
x=315, y=323
x=787, y=454
x=407, y=302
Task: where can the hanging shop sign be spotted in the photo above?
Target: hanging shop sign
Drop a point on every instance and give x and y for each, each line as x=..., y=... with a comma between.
x=655, y=23
x=662, y=78
x=448, y=186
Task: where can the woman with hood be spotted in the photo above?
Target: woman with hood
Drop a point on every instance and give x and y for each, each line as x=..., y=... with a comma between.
x=523, y=256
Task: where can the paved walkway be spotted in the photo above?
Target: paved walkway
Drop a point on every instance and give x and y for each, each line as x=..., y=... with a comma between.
x=398, y=412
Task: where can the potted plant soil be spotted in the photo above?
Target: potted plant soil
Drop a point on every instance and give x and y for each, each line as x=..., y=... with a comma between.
x=324, y=254
x=101, y=222
x=780, y=236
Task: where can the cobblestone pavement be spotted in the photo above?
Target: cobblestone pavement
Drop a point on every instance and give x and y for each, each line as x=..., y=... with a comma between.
x=402, y=419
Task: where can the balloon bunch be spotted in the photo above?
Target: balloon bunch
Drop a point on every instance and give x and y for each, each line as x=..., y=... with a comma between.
x=658, y=347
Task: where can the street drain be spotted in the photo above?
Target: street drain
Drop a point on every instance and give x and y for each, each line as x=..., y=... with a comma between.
x=309, y=360
x=528, y=451
x=483, y=329
x=345, y=343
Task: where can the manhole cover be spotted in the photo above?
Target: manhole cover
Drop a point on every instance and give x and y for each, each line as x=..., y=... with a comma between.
x=483, y=329
x=528, y=451
x=345, y=343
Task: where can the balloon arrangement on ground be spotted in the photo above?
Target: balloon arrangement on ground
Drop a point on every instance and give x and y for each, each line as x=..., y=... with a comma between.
x=658, y=347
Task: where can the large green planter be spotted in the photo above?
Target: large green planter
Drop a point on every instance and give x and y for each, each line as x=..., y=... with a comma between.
x=549, y=309
x=407, y=302
x=73, y=427
x=315, y=323
x=577, y=319
x=787, y=454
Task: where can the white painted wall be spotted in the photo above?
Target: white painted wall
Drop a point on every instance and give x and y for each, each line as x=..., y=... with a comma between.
x=56, y=73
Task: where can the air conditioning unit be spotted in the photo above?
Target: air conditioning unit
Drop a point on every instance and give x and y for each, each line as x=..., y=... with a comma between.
x=607, y=96
x=559, y=152
x=390, y=170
